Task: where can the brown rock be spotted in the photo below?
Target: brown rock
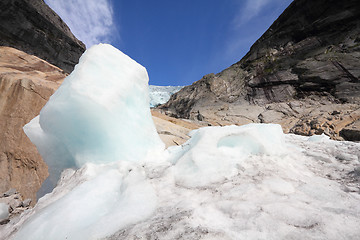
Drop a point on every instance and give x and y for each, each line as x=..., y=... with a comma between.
x=172, y=131
x=26, y=83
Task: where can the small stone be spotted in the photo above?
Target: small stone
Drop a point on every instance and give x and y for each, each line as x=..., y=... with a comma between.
x=199, y=116
x=26, y=203
x=10, y=192
x=319, y=131
x=5, y=221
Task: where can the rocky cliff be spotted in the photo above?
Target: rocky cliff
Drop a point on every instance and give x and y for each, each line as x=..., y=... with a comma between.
x=304, y=73
x=26, y=83
x=31, y=26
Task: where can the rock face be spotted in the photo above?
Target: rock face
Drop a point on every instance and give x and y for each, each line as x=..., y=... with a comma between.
x=31, y=26
x=173, y=131
x=26, y=83
x=309, y=57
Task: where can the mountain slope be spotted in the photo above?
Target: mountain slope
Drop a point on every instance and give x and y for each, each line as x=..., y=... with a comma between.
x=33, y=27
x=310, y=54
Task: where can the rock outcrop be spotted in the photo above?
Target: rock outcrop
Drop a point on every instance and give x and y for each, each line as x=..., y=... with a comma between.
x=173, y=131
x=309, y=57
x=33, y=27
x=26, y=83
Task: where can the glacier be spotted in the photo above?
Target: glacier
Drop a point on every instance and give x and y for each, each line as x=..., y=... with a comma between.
x=232, y=182
x=161, y=94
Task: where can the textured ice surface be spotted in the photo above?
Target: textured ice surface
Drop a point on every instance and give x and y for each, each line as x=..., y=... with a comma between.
x=318, y=138
x=99, y=114
x=4, y=211
x=214, y=153
x=282, y=192
x=92, y=203
x=248, y=182
x=161, y=94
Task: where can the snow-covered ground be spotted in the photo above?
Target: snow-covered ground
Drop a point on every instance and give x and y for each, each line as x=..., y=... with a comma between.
x=234, y=182
x=4, y=212
x=161, y=94
x=309, y=191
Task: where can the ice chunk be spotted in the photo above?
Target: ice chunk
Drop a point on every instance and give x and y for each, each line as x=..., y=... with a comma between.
x=99, y=114
x=214, y=153
x=4, y=211
x=319, y=138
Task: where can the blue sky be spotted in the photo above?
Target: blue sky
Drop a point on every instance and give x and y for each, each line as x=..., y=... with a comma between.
x=177, y=41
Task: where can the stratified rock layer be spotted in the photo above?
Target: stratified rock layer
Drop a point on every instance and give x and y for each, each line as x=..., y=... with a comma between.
x=33, y=27
x=309, y=57
x=26, y=83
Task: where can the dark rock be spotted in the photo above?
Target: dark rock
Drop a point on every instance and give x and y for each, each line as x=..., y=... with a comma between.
x=26, y=203
x=310, y=49
x=199, y=116
x=351, y=132
x=5, y=221
x=10, y=192
x=31, y=26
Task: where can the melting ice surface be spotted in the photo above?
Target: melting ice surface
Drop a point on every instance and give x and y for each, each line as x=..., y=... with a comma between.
x=247, y=182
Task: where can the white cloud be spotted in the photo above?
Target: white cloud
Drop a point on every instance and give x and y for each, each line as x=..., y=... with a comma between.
x=91, y=21
x=249, y=10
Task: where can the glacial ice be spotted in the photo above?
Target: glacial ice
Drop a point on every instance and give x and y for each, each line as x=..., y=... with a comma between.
x=234, y=182
x=99, y=114
x=213, y=153
x=161, y=94
x=105, y=198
